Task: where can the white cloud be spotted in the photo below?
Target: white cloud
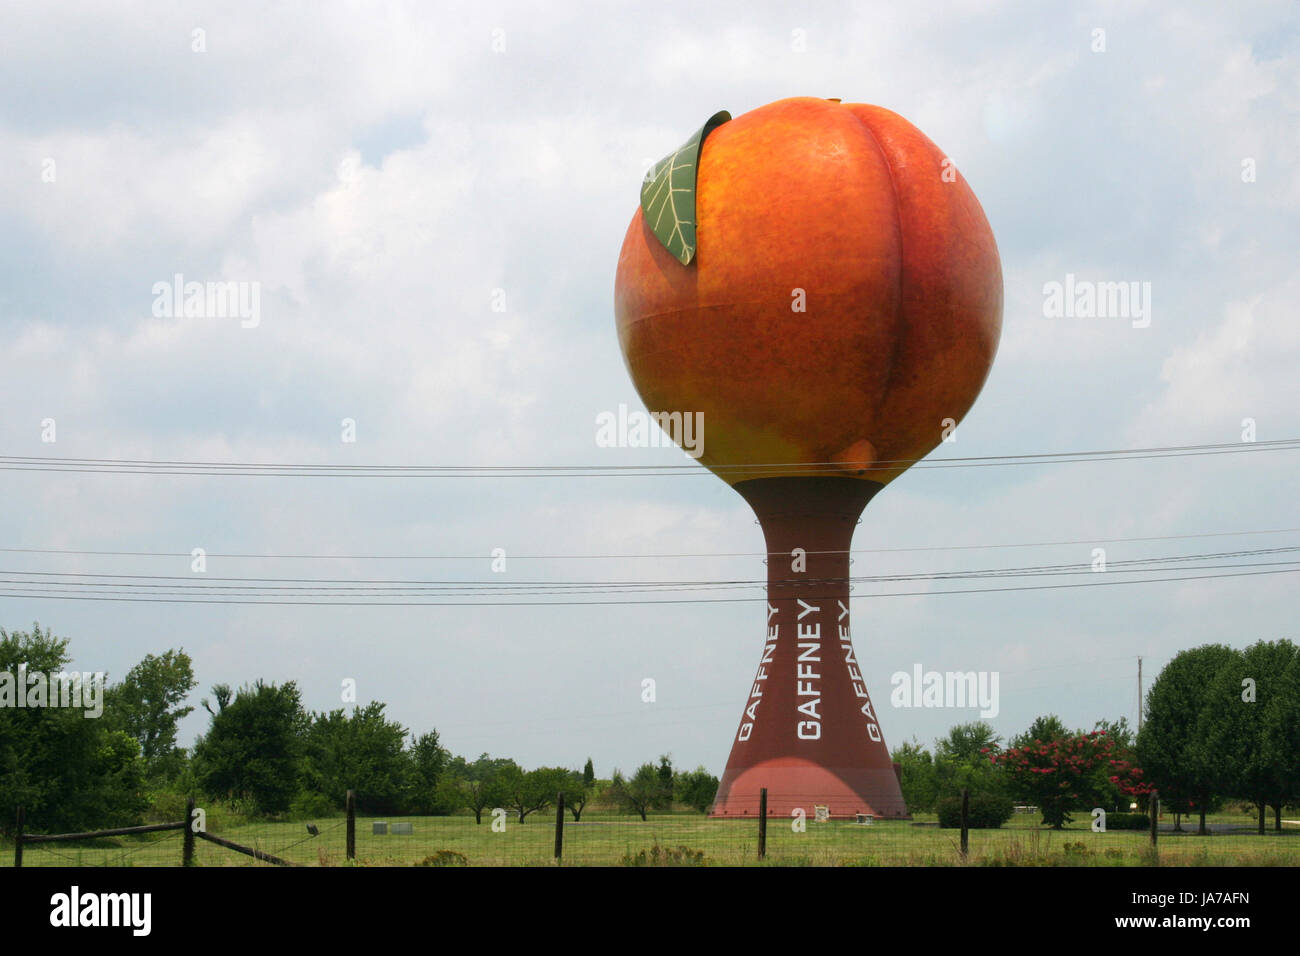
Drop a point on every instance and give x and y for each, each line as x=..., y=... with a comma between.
x=1243, y=368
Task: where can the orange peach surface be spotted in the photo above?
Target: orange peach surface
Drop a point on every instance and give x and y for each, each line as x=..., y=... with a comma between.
x=845, y=210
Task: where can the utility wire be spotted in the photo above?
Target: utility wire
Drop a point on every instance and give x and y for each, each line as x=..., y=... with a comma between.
x=602, y=557
x=282, y=470
x=194, y=582
x=203, y=582
x=70, y=595
x=53, y=588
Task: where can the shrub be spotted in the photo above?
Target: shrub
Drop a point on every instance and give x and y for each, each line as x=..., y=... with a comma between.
x=309, y=806
x=665, y=856
x=697, y=789
x=987, y=811
x=166, y=806
x=445, y=858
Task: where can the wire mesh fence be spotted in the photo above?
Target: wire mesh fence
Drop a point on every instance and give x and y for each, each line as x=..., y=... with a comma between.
x=606, y=837
x=157, y=849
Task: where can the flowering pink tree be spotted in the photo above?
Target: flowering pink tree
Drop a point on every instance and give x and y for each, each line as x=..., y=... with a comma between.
x=1076, y=772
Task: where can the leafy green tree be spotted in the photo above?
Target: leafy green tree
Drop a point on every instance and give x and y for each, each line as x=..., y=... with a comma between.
x=917, y=777
x=147, y=704
x=1120, y=732
x=666, y=774
x=1249, y=726
x=968, y=743
x=577, y=792
x=252, y=752
x=697, y=789
x=68, y=770
x=1175, y=759
x=560, y=780
x=527, y=792
x=429, y=763
x=1042, y=731
x=475, y=786
x=171, y=771
x=640, y=794
x=1283, y=736
x=361, y=751
x=588, y=774
x=964, y=760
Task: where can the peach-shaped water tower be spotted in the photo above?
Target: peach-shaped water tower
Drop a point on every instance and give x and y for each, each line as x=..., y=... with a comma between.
x=819, y=281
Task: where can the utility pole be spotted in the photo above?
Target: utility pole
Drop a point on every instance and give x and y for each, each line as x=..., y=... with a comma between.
x=1139, y=693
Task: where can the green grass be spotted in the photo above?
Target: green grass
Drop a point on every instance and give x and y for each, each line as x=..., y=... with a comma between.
x=604, y=839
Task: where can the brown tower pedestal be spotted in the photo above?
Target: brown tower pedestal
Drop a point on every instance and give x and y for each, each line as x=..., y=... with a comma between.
x=809, y=732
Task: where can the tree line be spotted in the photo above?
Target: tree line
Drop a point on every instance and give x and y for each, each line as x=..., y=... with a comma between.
x=264, y=754
x=1220, y=725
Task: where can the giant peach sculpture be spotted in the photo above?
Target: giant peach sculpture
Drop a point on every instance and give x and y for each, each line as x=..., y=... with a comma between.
x=819, y=281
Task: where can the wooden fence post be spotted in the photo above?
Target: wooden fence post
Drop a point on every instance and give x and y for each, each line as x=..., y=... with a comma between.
x=187, y=835
x=559, y=826
x=762, y=823
x=18, y=839
x=965, y=822
x=352, y=824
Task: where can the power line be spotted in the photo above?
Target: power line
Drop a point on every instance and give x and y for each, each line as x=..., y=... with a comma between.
x=283, y=470
x=205, y=582
x=593, y=557
x=514, y=591
x=70, y=595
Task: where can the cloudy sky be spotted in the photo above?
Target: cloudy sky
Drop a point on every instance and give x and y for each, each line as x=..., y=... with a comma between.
x=388, y=174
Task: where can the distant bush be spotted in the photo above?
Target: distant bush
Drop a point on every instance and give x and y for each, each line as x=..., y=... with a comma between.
x=697, y=789
x=309, y=806
x=445, y=858
x=987, y=811
x=166, y=806
x=665, y=856
x=1076, y=851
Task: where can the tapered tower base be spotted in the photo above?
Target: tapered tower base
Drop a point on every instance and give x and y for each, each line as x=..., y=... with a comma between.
x=809, y=732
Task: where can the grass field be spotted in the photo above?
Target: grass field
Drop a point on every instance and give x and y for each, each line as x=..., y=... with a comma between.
x=608, y=839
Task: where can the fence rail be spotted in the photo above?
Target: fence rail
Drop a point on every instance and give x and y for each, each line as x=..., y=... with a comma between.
x=188, y=826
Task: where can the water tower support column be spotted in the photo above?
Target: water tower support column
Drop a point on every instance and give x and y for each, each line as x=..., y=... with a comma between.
x=809, y=732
